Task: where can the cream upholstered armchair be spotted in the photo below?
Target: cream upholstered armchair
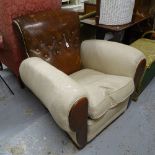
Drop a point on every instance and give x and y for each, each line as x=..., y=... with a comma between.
x=84, y=88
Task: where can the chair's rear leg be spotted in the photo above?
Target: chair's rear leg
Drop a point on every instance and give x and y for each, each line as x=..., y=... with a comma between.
x=22, y=85
x=1, y=66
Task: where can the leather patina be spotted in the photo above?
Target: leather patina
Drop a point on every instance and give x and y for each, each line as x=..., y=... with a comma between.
x=1, y=41
x=52, y=36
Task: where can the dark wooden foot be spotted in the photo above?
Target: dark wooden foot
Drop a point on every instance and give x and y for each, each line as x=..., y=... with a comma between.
x=1, y=66
x=22, y=85
x=78, y=121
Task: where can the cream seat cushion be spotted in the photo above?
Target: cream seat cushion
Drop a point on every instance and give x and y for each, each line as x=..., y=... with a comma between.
x=103, y=91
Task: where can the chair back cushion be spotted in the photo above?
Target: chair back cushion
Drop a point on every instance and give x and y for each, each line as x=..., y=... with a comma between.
x=11, y=54
x=52, y=36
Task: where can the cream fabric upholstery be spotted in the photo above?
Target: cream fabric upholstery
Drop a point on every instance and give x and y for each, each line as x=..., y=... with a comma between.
x=96, y=126
x=57, y=91
x=104, y=91
x=110, y=57
x=106, y=81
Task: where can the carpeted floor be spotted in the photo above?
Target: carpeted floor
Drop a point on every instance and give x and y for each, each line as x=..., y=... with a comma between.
x=26, y=127
x=4, y=90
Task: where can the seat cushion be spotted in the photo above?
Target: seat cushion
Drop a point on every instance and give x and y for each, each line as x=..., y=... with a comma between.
x=147, y=46
x=104, y=91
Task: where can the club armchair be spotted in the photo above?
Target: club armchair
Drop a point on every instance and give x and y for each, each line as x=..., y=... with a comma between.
x=84, y=86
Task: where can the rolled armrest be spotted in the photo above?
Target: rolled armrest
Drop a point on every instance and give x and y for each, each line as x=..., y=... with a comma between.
x=57, y=91
x=111, y=57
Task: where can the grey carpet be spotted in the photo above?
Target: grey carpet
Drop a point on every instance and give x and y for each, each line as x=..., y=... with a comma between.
x=26, y=127
x=4, y=90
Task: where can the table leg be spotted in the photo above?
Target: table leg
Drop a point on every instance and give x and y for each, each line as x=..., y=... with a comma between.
x=100, y=33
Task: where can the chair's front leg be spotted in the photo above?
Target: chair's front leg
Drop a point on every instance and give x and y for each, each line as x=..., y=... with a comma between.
x=78, y=121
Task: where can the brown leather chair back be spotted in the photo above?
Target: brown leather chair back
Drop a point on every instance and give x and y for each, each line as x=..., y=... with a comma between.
x=53, y=36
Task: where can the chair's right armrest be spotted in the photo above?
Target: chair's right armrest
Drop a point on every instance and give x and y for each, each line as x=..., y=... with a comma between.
x=111, y=57
x=63, y=97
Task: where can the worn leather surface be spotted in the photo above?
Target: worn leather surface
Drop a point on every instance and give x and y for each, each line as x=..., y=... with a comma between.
x=52, y=36
x=1, y=42
x=11, y=55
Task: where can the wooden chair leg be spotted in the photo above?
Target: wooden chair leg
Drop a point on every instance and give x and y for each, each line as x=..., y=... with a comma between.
x=22, y=85
x=1, y=66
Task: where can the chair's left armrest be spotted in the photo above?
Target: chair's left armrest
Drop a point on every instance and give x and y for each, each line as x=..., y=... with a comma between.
x=57, y=91
x=65, y=99
x=112, y=58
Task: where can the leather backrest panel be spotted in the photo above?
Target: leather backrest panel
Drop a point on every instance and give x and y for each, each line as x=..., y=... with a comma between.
x=52, y=36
